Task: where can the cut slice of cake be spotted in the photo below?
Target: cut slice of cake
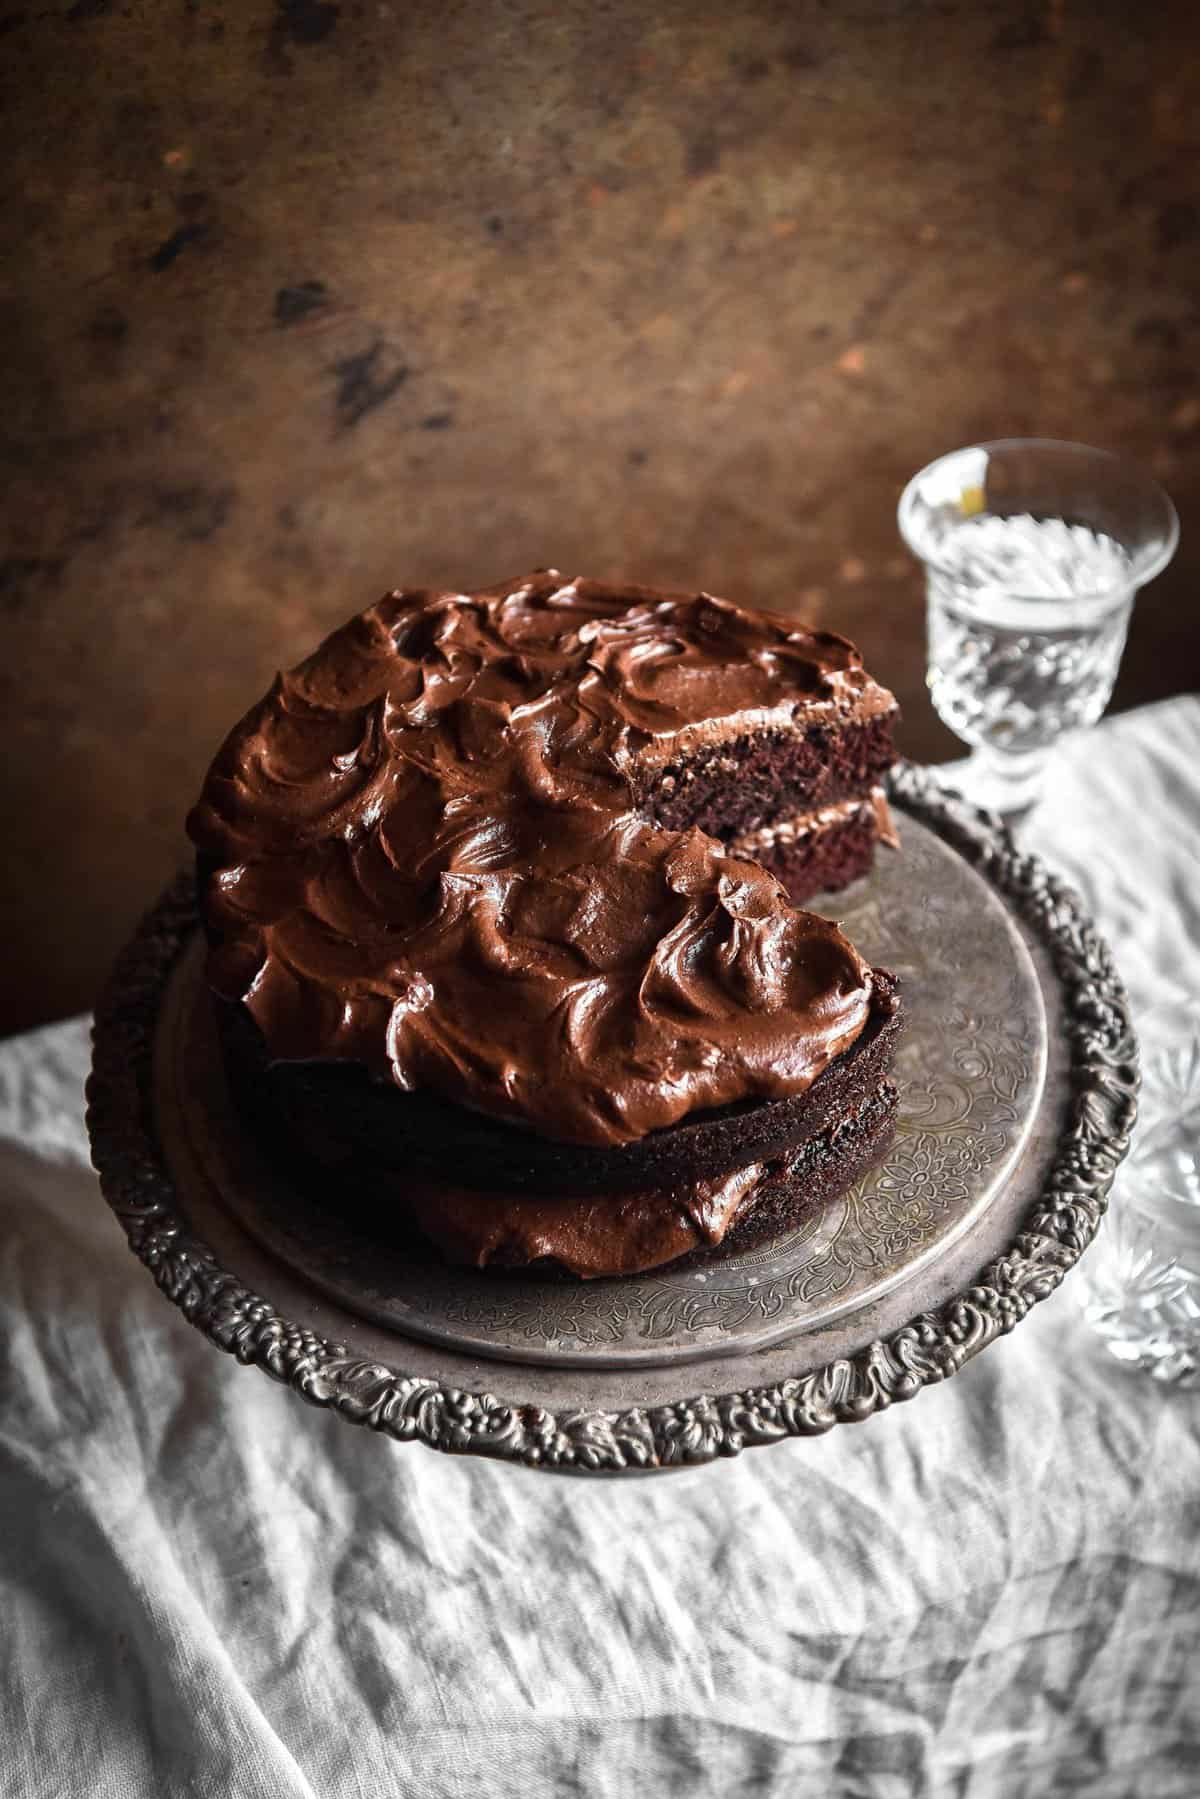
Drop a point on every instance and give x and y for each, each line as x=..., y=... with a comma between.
x=496, y=960
x=786, y=762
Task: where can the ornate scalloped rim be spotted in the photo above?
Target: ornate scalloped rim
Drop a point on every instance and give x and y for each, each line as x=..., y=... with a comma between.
x=935, y=1345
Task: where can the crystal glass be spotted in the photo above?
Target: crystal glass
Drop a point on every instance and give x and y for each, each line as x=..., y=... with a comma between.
x=1033, y=553
x=1139, y=1283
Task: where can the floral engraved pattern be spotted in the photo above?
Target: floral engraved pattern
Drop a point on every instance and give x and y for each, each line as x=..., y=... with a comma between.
x=942, y=1140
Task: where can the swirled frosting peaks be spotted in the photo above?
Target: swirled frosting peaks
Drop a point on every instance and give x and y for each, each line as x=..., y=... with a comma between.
x=428, y=857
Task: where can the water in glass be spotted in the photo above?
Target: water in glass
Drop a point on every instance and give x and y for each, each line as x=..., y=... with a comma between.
x=1027, y=622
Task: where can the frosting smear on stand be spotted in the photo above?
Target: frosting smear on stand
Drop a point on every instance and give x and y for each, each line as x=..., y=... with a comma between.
x=430, y=856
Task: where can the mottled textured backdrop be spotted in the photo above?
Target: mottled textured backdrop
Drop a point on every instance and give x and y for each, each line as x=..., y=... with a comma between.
x=302, y=300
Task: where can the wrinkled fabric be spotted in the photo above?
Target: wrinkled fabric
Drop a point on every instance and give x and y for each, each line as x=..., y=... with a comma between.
x=209, y=1588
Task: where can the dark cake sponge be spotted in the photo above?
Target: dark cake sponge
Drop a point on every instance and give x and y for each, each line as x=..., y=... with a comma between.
x=825, y=860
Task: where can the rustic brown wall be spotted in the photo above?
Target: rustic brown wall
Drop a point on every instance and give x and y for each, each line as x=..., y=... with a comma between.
x=303, y=299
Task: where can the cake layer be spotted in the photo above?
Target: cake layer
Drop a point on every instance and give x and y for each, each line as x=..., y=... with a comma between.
x=821, y=852
x=342, y=1121
x=428, y=854
x=734, y=789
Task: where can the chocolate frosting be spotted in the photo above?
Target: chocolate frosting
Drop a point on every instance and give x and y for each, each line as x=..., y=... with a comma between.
x=427, y=858
x=590, y=1235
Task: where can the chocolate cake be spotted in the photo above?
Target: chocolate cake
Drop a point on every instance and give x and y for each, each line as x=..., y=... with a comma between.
x=500, y=952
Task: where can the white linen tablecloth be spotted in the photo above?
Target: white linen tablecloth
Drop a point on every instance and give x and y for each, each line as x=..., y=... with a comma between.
x=208, y=1588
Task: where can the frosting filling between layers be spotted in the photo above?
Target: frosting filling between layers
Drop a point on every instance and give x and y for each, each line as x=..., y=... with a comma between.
x=590, y=1235
x=423, y=855
x=806, y=824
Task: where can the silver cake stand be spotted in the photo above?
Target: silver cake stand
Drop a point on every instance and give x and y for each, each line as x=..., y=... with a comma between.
x=1017, y=1076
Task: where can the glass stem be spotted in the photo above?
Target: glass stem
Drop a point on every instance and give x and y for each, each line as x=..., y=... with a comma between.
x=1005, y=781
